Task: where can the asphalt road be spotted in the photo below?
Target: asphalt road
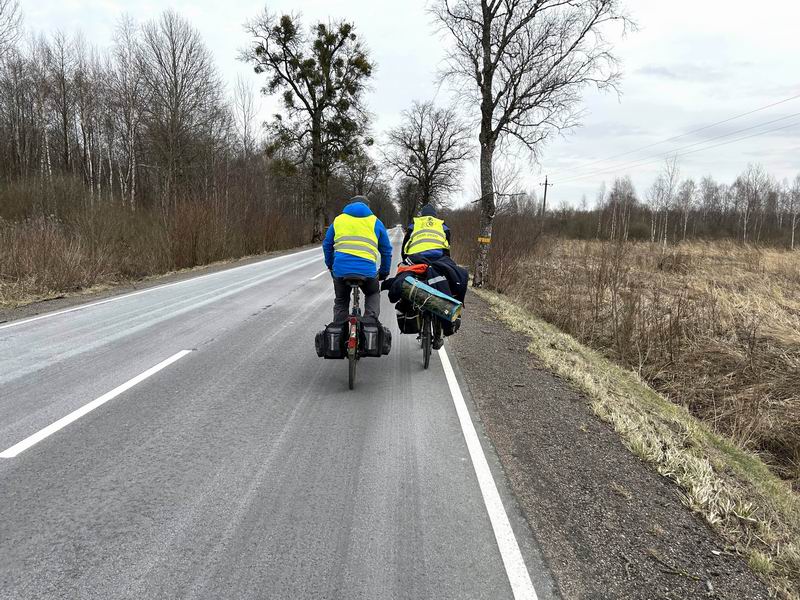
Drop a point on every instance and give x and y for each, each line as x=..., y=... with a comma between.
x=186, y=442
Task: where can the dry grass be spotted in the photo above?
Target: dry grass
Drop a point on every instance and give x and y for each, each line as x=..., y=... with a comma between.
x=756, y=512
x=49, y=257
x=715, y=327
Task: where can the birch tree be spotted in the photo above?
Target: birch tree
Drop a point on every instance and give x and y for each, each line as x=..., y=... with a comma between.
x=524, y=63
x=686, y=198
x=794, y=204
x=128, y=101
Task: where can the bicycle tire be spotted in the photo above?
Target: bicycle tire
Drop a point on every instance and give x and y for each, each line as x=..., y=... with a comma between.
x=426, y=342
x=351, y=377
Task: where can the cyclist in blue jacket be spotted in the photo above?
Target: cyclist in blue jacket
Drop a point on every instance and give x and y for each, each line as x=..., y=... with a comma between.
x=357, y=243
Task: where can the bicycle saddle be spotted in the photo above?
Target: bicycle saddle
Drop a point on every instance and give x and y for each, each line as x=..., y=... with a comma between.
x=354, y=280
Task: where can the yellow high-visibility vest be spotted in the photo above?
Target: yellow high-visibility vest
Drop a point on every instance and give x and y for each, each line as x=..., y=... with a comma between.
x=428, y=234
x=356, y=236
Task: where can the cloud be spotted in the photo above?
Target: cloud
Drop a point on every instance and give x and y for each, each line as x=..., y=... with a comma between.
x=685, y=72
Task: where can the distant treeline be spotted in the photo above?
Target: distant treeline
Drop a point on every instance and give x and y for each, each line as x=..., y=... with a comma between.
x=754, y=209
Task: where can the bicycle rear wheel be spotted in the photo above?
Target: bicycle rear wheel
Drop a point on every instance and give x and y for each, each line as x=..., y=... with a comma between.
x=427, y=339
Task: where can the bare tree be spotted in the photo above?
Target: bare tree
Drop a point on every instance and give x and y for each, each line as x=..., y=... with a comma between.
x=322, y=78
x=10, y=25
x=686, y=199
x=621, y=201
x=508, y=192
x=525, y=63
x=128, y=101
x=750, y=189
x=794, y=207
x=360, y=173
x=245, y=109
x=184, y=95
x=60, y=65
x=710, y=198
x=429, y=147
x=408, y=199
x=654, y=196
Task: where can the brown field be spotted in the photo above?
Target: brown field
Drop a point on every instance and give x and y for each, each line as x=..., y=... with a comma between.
x=715, y=327
x=712, y=327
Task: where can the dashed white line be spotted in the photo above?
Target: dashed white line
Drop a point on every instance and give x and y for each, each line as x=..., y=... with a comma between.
x=517, y=572
x=319, y=275
x=87, y=408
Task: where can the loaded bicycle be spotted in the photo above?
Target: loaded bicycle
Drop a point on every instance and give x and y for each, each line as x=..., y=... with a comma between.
x=358, y=337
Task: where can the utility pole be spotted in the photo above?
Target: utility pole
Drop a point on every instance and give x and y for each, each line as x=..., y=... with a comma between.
x=544, y=201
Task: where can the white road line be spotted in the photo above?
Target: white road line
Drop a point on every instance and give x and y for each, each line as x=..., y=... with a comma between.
x=319, y=275
x=87, y=408
x=151, y=289
x=517, y=572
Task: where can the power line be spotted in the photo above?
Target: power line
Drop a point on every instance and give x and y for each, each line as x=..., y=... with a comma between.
x=669, y=154
x=688, y=133
x=634, y=163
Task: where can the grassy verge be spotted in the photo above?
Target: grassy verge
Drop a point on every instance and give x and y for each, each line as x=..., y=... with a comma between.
x=47, y=257
x=733, y=490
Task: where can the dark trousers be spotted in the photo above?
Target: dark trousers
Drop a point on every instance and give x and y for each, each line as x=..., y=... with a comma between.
x=341, y=304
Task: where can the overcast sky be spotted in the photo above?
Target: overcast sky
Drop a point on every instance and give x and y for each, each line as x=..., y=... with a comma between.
x=692, y=63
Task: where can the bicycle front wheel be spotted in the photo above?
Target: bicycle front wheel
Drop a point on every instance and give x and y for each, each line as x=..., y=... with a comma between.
x=427, y=340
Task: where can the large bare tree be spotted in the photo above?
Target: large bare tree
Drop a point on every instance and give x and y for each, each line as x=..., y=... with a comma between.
x=322, y=78
x=429, y=147
x=184, y=96
x=525, y=63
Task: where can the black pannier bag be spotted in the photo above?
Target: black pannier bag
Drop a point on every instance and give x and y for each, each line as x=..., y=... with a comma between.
x=408, y=322
x=331, y=341
x=449, y=328
x=376, y=340
x=386, y=347
x=370, y=340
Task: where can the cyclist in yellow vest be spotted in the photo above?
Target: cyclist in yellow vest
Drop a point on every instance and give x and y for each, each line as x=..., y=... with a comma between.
x=357, y=244
x=427, y=237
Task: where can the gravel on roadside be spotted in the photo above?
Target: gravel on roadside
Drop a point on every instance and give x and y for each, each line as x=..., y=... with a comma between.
x=608, y=525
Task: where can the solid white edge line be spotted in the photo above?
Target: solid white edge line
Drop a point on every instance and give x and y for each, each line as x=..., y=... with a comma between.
x=319, y=275
x=517, y=572
x=150, y=289
x=87, y=408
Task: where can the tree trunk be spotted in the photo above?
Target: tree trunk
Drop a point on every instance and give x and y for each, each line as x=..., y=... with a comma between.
x=487, y=216
x=794, y=223
x=487, y=141
x=318, y=183
x=685, y=223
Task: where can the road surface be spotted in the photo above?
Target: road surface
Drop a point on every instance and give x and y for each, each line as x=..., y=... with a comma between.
x=184, y=441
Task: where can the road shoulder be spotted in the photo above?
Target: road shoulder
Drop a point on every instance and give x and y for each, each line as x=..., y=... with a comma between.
x=607, y=524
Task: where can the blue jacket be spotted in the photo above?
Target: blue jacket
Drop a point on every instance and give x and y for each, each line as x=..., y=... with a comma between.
x=343, y=264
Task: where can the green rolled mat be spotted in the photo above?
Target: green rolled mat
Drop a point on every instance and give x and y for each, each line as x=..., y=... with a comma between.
x=427, y=298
